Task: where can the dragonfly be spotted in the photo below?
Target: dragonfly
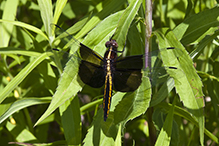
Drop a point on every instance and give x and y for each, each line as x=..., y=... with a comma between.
x=120, y=73
x=114, y=72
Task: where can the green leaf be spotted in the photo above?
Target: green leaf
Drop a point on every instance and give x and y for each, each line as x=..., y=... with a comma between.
x=163, y=92
x=118, y=141
x=47, y=16
x=97, y=38
x=21, y=76
x=67, y=88
x=197, y=26
x=101, y=133
x=102, y=33
x=24, y=136
x=109, y=7
x=185, y=114
x=187, y=82
x=134, y=40
x=60, y=4
x=72, y=30
x=106, y=133
x=23, y=103
x=27, y=26
x=47, y=73
x=9, y=13
x=71, y=121
x=90, y=106
x=202, y=44
x=12, y=50
x=125, y=22
x=164, y=137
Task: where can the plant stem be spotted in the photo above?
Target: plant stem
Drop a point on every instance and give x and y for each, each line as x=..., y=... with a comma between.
x=148, y=22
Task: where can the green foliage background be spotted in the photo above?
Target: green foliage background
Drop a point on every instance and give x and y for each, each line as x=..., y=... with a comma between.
x=43, y=102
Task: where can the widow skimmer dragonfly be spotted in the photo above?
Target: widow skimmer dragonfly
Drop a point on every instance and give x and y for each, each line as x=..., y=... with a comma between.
x=121, y=73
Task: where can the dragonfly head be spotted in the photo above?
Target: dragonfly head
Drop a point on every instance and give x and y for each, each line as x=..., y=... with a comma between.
x=112, y=43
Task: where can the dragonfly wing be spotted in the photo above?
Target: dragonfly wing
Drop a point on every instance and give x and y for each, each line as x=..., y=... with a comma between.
x=91, y=74
x=89, y=55
x=130, y=62
x=127, y=75
x=127, y=81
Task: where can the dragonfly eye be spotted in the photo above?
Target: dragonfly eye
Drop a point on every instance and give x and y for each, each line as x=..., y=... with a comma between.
x=108, y=44
x=114, y=44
